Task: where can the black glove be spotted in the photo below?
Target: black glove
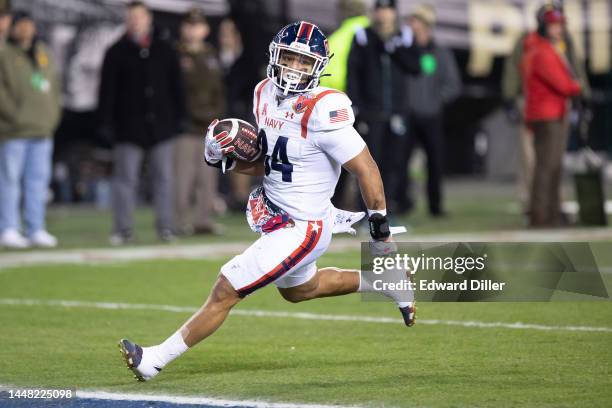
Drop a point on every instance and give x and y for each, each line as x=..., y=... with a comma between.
x=379, y=227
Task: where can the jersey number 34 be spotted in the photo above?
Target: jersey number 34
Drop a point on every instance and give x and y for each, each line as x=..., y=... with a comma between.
x=278, y=161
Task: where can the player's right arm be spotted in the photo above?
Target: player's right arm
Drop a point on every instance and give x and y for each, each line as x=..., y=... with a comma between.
x=255, y=168
x=216, y=154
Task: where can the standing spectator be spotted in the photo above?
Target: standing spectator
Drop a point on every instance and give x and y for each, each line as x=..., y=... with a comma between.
x=140, y=106
x=514, y=101
x=352, y=17
x=549, y=83
x=240, y=79
x=205, y=101
x=438, y=85
x=380, y=58
x=30, y=106
x=514, y=104
x=238, y=73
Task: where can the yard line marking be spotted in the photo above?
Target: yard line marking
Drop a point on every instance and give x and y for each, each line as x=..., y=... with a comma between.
x=302, y=315
x=185, y=400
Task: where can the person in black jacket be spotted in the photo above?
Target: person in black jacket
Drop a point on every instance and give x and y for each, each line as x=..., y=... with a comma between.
x=141, y=105
x=380, y=59
x=438, y=85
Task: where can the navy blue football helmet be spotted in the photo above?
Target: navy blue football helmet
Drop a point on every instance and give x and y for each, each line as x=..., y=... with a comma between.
x=302, y=45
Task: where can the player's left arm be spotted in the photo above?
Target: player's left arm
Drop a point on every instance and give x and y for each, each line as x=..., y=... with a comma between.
x=333, y=132
x=355, y=157
x=335, y=135
x=365, y=169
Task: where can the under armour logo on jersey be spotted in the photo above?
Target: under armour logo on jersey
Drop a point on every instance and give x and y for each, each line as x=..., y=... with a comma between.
x=265, y=109
x=288, y=115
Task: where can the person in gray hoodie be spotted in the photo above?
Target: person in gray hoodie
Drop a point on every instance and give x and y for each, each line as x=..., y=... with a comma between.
x=438, y=84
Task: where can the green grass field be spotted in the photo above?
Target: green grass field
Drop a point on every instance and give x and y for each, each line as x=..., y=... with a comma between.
x=296, y=360
x=290, y=359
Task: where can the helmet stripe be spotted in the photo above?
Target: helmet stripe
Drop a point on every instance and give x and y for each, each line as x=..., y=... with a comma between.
x=301, y=29
x=305, y=31
x=309, y=32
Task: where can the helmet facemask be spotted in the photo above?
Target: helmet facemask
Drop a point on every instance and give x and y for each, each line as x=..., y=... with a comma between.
x=294, y=68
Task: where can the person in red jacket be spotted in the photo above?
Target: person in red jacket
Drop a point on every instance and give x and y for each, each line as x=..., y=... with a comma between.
x=549, y=83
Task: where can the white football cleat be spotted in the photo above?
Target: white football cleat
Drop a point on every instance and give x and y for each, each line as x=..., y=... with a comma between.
x=138, y=360
x=11, y=238
x=43, y=239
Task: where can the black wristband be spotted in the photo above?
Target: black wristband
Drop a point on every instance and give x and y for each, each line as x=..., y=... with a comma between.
x=379, y=227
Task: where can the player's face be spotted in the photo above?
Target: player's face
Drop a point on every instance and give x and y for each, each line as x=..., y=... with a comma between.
x=298, y=62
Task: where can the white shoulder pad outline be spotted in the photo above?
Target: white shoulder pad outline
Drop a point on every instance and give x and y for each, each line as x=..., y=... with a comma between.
x=321, y=120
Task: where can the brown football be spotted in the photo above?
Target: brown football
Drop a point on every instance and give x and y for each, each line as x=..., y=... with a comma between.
x=245, y=143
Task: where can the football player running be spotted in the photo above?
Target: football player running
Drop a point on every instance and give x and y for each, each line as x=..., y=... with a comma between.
x=306, y=132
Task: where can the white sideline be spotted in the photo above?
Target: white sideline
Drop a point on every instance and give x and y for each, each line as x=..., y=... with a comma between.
x=218, y=250
x=103, y=395
x=183, y=400
x=303, y=315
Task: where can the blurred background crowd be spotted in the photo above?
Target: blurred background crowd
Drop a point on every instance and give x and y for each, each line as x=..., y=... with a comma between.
x=105, y=102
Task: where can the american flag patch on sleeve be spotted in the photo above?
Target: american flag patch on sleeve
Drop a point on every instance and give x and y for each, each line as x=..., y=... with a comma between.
x=338, y=115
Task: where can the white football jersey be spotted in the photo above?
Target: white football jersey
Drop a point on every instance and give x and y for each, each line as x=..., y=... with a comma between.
x=306, y=138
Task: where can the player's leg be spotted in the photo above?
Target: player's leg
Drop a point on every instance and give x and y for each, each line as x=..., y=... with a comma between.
x=269, y=258
x=325, y=282
x=304, y=285
x=209, y=318
x=146, y=362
